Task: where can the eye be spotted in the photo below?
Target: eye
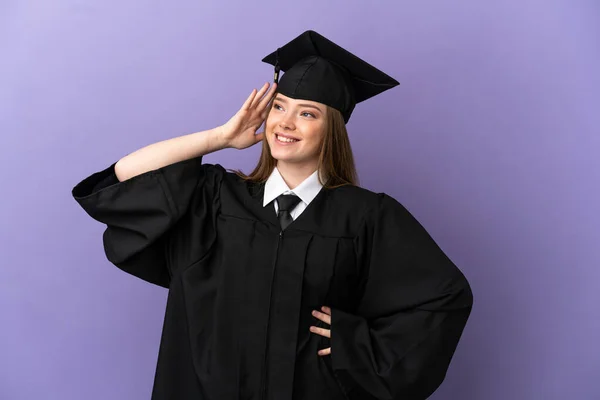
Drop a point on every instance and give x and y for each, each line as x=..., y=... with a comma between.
x=275, y=105
x=312, y=115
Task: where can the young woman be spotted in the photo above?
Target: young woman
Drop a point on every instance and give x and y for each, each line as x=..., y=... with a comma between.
x=291, y=282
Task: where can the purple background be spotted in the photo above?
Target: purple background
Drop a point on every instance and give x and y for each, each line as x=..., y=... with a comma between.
x=491, y=141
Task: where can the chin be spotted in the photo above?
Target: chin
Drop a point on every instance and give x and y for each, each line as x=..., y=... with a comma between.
x=282, y=158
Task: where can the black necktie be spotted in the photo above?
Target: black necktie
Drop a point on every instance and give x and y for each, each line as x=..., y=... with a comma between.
x=286, y=203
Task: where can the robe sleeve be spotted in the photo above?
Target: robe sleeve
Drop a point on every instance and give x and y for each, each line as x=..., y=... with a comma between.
x=414, y=305
x=139, y=212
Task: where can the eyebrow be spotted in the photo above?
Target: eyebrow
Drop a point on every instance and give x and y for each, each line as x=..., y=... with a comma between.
x=300, y=105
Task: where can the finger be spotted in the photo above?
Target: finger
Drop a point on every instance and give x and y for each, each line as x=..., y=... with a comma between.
x=259, y=137
x=323, y=317
x=267, y=99
x=325, y=352
x=326, y=310
x=249, y=100
x=263, y=114
x=259, y=95
x=321, y=331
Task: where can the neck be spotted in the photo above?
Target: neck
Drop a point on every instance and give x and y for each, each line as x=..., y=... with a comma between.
x=295, y=174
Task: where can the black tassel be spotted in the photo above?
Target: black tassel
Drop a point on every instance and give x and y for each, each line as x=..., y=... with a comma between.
x=277, y=68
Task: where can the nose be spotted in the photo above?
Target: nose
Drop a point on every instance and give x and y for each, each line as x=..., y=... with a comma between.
x=287, y=122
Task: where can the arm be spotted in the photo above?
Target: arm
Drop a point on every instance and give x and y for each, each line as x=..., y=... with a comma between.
x=239, y=132
x=398, y=343
x=170, y=151
x=164, y=180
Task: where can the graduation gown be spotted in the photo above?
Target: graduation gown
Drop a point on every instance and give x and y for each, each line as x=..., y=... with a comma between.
x=241, y=291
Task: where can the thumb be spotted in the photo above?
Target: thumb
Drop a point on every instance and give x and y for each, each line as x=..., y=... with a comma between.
x=259, y=137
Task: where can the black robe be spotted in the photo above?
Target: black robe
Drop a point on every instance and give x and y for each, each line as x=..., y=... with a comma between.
x=241, y=291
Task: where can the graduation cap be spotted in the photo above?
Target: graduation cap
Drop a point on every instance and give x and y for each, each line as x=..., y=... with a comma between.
x=319, y=70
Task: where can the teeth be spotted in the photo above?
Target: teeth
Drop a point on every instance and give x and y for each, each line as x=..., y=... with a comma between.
x=284, y=139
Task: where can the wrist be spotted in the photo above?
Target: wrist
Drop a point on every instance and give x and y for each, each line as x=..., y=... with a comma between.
x=218, y=138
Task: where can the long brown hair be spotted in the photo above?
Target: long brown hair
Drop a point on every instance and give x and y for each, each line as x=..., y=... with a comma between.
x=336, y=161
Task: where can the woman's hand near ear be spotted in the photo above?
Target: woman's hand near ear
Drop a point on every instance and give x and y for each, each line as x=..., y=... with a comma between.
x=240, y=131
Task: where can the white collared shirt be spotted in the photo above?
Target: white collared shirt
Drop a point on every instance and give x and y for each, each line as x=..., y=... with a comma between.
x=307, y=191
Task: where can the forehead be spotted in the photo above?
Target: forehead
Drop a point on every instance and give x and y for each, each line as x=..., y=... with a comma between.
x=292, y=101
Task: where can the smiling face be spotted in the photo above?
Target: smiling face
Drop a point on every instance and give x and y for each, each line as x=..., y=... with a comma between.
x=295, y=130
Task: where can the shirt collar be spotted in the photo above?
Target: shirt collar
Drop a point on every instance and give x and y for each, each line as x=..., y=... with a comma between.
x=276, y=186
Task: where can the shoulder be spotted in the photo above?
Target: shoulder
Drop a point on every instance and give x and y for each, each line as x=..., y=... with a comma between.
x=358, y=195
x=366, y=205
x=360, y=202
x=210, y=172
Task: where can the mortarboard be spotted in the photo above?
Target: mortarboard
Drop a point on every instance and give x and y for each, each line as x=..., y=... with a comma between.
x=319, y=70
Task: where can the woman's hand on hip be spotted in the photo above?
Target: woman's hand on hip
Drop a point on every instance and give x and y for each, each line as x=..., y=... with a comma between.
x=324, y=316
